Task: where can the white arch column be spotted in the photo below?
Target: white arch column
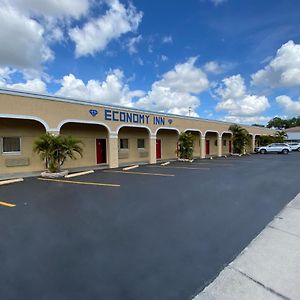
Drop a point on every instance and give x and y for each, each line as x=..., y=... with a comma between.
x=202, y=146
x=253, y=142
x=113, y=159
x=219, y=145
x=152, y=148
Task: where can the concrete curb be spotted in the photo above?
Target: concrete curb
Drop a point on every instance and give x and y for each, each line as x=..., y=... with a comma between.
x=268, y=268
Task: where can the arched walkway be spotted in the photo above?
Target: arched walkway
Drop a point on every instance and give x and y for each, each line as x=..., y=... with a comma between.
x=95, y=143
x=166, y=143
x=133, y=145
x=17, y=138
x=227, y=146
x=211, y=143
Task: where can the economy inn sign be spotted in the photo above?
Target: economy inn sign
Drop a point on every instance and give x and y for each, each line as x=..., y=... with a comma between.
x=129, y=117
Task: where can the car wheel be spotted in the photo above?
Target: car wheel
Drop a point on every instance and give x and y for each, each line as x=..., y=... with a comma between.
x=285, y=151
x=298, y=149
x=262, y=151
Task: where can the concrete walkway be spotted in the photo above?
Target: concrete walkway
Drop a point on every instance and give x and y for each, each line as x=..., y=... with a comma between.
x=269, y=268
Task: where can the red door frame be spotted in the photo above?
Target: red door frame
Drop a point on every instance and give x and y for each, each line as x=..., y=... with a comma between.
x=158, y=149
x=207, y=147
x=101, y=151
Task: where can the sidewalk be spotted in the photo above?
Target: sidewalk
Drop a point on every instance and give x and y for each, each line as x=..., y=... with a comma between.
x=269, y=268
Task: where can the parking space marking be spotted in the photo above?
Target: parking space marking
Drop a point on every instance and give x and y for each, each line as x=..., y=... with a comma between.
x=211, y=164
x=7, y=204
x=175, y=167
x=80, y=182
x=140, y=173
x=9, y=181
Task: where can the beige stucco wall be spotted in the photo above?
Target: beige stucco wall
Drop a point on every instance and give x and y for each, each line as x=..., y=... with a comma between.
x=226, y=137
x=133, y=154
x=197, y=150
x=169, y=139
x=55, y=112
x=28, y=131
x=212, y=137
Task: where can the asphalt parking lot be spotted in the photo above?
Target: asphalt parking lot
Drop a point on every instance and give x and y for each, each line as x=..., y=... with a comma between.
x=152, y=233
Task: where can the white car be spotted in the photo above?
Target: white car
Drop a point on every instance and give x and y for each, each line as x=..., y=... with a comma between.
x=294, y=146
x=274, y=148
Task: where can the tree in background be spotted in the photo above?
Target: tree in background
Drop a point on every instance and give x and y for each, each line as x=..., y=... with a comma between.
x=241, y=138
x=186, y=145
x=258, y=125
x=279, y=137
x=279, y=123
x=54, y=150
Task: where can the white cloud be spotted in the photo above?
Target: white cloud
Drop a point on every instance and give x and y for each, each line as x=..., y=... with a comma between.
x=132, y=44
x=177, y=90
x=215, y=68
x=22, y=40
x=53, y=8
x=95, y=35
x=217, y=2
x=167, y=39
x=247, y=120
x=35, y=85
x=290, y=106
x=164, y=58
x=235, y=100
x=283, y=70
x=112, y=90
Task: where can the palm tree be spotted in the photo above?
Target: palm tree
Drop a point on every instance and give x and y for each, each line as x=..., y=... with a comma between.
x=280, y=136
x=54, y=150
x=241, y=138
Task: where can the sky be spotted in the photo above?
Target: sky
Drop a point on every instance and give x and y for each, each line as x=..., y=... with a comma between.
x=229, y=60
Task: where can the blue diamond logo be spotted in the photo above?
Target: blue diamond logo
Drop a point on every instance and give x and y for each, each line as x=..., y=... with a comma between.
x=93, y=112
x=170, y=121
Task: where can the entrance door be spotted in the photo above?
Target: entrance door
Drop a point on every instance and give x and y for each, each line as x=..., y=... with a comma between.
x=101, y=151
x=207, y=147
x=230, y=147
x=158, y=149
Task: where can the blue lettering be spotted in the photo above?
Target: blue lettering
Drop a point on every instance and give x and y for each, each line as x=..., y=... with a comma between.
x=142, y=119
x=158, y=120
x=147, y=119
x=115, y=113
x=135, y=118
x=122, y=116
x=107, y=114
x=128, y=117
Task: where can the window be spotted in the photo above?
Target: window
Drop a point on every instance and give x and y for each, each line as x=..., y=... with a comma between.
x=224, y=143
x=11, y=145
x=123, y=143
x=141, y=143
x=216, y=143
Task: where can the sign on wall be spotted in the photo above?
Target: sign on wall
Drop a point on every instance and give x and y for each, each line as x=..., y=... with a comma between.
x=130, y=117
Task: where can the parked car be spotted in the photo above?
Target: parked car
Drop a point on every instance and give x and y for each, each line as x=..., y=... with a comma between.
x=294, y=146
x=274, y=148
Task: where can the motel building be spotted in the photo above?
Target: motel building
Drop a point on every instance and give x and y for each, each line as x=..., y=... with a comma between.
x=112, y=136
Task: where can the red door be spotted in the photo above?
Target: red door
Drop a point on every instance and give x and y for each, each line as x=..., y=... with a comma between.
x=230, y=147
x=158, y=149
x=207, y=147
x=101, y=151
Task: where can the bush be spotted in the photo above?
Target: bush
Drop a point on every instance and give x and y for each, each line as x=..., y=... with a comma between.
x=186, y=145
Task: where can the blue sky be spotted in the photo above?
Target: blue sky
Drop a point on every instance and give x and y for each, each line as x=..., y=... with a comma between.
x=221, y=59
